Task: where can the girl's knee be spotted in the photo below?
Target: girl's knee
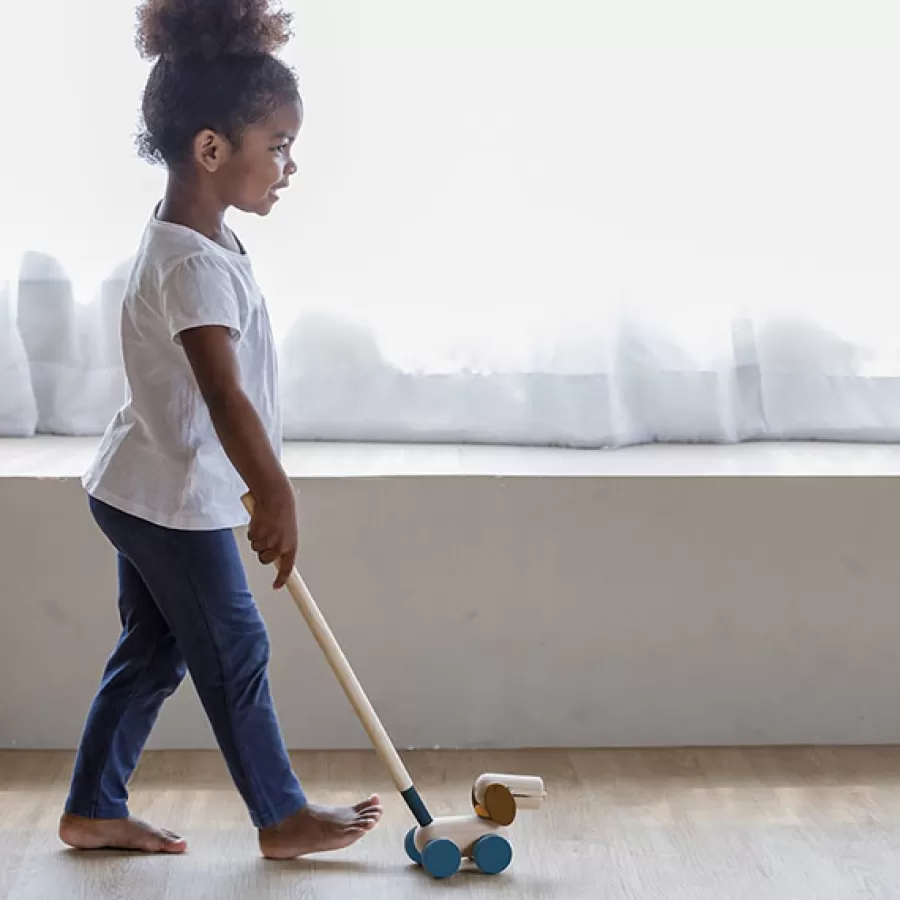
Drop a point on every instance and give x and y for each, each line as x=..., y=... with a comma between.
x=244, y=656
x=254, y=650
x=176, y=674
x=168, y=675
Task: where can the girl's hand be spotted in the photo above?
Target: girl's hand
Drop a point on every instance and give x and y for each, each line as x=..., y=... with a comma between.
x=273, y=531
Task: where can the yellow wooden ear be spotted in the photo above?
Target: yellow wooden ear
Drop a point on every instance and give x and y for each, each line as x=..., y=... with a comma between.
x=500, y=804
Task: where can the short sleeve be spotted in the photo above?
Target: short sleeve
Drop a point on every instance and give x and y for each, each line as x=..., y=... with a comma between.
x=200, y=291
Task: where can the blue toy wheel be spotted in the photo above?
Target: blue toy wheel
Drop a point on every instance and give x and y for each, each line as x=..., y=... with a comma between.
x=409, y=844
x=492, y=854
x=441, y=858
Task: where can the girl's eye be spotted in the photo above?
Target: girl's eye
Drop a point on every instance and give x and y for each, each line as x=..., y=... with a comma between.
x=280, y=148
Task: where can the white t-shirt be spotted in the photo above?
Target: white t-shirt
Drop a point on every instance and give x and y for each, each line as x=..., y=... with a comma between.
x=161, y=459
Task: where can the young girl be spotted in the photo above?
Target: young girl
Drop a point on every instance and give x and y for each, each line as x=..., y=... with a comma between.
x=201, y=426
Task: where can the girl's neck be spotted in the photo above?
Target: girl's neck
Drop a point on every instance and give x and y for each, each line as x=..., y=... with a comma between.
x=195, y=205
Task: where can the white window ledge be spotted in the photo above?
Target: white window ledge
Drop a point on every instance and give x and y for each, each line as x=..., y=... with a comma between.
x=68, y=457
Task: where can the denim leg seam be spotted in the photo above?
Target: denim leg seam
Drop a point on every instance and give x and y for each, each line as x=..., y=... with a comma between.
x=245, y=770
x=95, y=800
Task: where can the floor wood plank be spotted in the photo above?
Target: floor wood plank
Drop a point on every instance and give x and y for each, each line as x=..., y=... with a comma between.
x=722, y=824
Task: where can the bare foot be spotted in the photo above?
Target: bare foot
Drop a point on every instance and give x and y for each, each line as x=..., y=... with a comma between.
x=117, y=834
x=317, y=829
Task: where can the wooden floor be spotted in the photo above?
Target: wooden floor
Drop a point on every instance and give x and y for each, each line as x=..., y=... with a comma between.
x=655, y=825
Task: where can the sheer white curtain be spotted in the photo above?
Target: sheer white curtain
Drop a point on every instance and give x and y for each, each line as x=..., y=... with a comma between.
x=582, y=222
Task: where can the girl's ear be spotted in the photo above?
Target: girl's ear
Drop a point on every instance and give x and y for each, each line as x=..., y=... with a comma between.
x=211, y=150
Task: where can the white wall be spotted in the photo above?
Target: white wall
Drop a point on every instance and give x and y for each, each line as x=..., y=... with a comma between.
x=488, y=611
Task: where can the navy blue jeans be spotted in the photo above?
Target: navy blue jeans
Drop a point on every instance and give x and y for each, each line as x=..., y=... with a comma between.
x=184, y=605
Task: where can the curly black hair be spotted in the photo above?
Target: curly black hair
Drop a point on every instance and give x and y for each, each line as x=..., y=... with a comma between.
x=214, y=69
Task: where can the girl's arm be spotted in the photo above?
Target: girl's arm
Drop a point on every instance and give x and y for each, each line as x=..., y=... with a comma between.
x=273, y=526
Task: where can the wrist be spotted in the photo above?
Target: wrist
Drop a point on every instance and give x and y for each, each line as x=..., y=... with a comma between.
x=276, y=491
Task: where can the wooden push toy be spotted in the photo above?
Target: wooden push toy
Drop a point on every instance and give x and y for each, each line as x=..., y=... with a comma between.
x=438, y=845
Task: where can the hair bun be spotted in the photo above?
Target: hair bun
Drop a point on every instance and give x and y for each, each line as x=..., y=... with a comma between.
x=211, y=28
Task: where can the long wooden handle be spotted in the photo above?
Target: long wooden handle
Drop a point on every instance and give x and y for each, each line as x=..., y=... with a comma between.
x=345, y=675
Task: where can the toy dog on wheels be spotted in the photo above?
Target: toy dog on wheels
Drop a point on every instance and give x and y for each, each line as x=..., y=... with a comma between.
x=438, y=845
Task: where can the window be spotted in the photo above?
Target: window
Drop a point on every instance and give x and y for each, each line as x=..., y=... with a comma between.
x=583, y=222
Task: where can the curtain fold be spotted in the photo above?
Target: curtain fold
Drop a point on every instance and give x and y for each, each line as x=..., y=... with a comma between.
x=18, y=407
x=614, y=377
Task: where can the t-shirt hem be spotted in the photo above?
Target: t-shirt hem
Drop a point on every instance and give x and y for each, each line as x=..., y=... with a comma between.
x=155, y=517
